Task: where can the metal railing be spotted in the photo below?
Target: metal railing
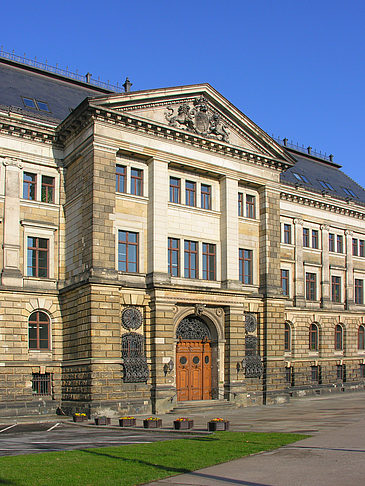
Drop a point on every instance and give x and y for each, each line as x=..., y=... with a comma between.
x=305, y=150
x=87, y=79
x=41, y=384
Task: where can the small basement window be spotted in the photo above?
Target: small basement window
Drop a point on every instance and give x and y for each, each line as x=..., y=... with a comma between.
x=41, y=384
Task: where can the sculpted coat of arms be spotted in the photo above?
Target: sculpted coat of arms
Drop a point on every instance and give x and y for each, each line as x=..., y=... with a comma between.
x=198, y=119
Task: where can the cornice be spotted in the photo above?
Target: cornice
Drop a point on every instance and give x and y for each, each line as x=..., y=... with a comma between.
x=20, y=127
x=324, y=205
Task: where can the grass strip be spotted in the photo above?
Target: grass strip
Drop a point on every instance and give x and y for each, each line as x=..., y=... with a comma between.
x=135, y=464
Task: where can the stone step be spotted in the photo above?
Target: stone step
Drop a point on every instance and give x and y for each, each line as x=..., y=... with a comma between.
x=202, y=406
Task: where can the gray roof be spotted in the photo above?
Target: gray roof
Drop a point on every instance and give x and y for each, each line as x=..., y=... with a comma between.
x=317, y=172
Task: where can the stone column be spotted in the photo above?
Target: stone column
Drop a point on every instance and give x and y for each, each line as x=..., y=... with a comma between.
x=11, y=274
x=325, y=267
x=299, y=267
x=229, y=233
x=349, y=277
x=158, y=191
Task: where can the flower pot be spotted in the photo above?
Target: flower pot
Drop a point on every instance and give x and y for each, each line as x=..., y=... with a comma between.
x=102, y=420
x=183, y=424
x=79, y=418
x=152, y=424
x=218, y=425
x=127, y=422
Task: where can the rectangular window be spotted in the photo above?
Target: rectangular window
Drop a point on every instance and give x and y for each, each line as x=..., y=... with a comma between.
x=315, y=239
x=206, y=197
x=246, y=266
x=47, y=192
x=336, y=289
x=127, y=251
x=285, y=282
x=314, y=373
x=209, y=272
x=240, y=204
x=29, y=186
x=250, y=207
x=137, y=182
x=341, y=372
x=190, y=193
x=355, y=247
x=331, y=242
x=362, y=371
x=306, y=237
x=361, y=248
x=190, y=259
x=175, y=190
x=174, y=256
x=121, y=178
x=37, y=257
x=359, y=291
x=339, y=244
x=287, y=234
x=288, y=374
x=41, y=384
x=311, y=286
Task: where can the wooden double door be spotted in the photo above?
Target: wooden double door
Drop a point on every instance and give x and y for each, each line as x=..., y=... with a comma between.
x=194, y=370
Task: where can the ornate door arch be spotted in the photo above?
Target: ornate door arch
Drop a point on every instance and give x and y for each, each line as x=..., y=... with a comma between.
x=193, y=360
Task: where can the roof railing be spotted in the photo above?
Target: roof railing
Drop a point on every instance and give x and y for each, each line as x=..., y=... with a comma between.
x=87, y=79
x=305, y=150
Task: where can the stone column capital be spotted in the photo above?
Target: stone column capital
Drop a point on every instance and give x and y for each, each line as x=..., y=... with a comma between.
x=12, y=162
x=298, y=221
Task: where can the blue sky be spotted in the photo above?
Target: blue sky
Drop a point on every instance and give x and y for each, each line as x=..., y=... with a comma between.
x=296, y=68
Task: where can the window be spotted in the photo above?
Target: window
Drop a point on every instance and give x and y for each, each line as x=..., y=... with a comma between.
x=313, y=337
x=127, y=251
x=41, y=384
x=311, y=286
x=349, y=192
x=175, y=190
x=362, y=371
x=361, y=248
x=137, y=182
x=209, y=261
x=287, y=337
x=42, y=105
x=287, y=234
x=190, y=193
x=315, y=239
x=38, y=330
x=285, y=282
x=289, y=376
x=47, y=193
x=37, y=257
x=29, y=103
x=355, y=248
x=206, y=197
x=339, y=244
x=361, y=338
x=246, y=266
x=300, y=177
x=336, y=289
x=240, y=204
x=190, y=259
x=36, y=104
x=29, y=186
x=338, y=338
x=326, y=185
x=121, y=178
x=331, y=242
x=174, y=256
x=306, y=237
x=315, y=373
x=341, y=372
x=359, y=291
x=250, y=207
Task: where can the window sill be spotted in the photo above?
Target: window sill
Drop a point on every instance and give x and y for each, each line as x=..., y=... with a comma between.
x=184, y=207
x=126, y=195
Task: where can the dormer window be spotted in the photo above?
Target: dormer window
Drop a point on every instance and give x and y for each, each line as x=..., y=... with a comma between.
x=300, y=177
x=35, y=104
x=326, y=185
x=348, y=192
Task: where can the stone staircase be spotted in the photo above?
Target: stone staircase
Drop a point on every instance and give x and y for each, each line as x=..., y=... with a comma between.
x=202, y=407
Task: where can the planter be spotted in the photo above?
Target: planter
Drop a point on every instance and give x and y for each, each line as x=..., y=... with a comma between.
x=127, y=422
x=79, y=418
x=218, y=425
x=183, y=424
x=152, y=424
x=102, y=420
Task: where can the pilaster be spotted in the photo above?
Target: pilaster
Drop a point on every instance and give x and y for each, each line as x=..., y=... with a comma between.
x=325, y=266
x=349, y=276
x=299, y=267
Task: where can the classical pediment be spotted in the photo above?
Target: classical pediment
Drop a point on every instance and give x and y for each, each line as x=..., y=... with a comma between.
x=197, y=110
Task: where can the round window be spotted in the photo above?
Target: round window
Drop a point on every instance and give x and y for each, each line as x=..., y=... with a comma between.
x=196, y=360
x=183, y=360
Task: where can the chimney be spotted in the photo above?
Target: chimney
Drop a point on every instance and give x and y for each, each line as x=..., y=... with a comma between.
x=285, y=141
x=127, y=85
x=88, y=77
x=309, y=149
x=331, y=157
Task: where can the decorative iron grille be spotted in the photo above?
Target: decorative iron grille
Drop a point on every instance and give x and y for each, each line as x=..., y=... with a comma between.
x=250, y=322
x=131, y=318
x=135, y=366
x=193, y=327
x=41, y=384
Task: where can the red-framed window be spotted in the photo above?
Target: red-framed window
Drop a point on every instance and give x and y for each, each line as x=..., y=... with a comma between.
x=339, y=244
x=359, y=291
x=190, y=259
x=311, y=286
x=287, y=234
x=29, y=186
x=338, y=338
x=121, y=178
x=174, y=257
x=206, y=196
x=315, y=239
x=331, y=242
x=336, y=289
x=287, y=337
x=175, y=190
x=48, y=189
x=240, y=204
x=246, y=266
x=250, y=206
x=209, y=263
x=38, y=330
x=306, y=237
x=127, y=251
x=313, y=337
x=361, y=338
x=37, y=257
x=361, y=248
x=137, y=182
x=284, y=276
x=355, y=246
x=190, y=193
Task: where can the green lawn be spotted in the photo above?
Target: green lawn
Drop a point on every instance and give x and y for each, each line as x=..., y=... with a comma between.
x=135, y=464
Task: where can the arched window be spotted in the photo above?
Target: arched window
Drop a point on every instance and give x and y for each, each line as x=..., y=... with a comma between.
x=38, y=329
x=313, y=337
x=287, y=337
x=338, y=338
x=361, y=337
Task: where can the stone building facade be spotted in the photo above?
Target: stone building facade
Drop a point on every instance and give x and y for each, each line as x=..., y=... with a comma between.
x=159, y=247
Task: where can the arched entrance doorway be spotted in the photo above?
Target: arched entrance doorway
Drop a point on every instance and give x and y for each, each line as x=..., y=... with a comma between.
x=193, y=360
